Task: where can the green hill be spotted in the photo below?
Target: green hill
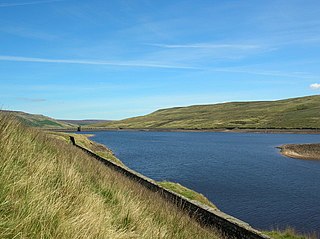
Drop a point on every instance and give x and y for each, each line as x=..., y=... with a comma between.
x=303, y=112
x=38, y=120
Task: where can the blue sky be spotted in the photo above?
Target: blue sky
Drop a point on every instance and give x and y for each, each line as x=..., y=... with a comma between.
x=80, y=59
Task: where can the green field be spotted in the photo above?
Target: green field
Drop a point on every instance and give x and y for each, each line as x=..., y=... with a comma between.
x=296, y=113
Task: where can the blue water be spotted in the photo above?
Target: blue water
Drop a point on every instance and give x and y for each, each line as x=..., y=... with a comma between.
x=242, y=173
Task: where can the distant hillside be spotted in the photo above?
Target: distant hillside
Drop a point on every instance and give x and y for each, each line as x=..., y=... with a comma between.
x=303, y=112
x=38, y=120
x=84, y=122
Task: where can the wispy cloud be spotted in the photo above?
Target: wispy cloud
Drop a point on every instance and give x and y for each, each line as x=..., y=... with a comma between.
x=145, y=64
x=94, y=62
x=31, y=99
x=27, y=33
x=315, y=86
x=28, y=3
x=299, y=75
x=206, y=53
x=208, y=45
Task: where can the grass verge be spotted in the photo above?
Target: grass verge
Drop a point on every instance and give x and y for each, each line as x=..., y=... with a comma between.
x=186, y=192
x=288, y=233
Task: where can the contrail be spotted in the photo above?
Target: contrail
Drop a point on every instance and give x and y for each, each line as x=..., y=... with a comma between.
x=28, y=3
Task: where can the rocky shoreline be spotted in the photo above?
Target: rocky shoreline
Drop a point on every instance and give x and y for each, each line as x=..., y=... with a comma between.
x=301, y=151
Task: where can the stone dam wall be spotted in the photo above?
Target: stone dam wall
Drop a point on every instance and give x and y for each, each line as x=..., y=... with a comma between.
x=229, y=226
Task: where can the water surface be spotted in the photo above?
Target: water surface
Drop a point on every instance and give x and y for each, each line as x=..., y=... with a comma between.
x=242, y=173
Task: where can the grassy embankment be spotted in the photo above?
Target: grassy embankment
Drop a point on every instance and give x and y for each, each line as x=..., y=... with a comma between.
x=82, y=140
x=303, y=112
x=288, y=233
x=49, y=189
x=301, y=151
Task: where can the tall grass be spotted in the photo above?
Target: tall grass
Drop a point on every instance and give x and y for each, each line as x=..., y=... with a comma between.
x=49, y=189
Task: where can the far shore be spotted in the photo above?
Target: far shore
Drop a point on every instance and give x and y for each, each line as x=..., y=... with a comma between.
x=301, y=151
x=235, y=130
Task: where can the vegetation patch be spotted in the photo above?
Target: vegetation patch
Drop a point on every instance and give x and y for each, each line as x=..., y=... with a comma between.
x=186, y=192
x=288, y=233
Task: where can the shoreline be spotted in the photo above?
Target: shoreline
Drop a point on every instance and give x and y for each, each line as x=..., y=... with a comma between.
x=262, y=131
x=301, y=151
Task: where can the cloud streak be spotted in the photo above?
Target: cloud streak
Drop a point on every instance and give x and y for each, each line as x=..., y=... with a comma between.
x=93, y=62
x=299, y=75
x=27, y=33
x=209, y=46
x=28, y=3
x=144, y=64
x=31, y=99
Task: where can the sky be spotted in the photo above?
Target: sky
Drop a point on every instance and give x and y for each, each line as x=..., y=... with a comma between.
x=97, y=59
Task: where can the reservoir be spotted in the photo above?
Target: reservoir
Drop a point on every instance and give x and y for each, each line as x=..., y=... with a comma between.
x=243, y=174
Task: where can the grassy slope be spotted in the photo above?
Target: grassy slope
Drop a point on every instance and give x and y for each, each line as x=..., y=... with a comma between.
x=82, y=140
x=39, y=120
x=49, y=189
x=186, y=192
x=289, y=233
x=301, y=112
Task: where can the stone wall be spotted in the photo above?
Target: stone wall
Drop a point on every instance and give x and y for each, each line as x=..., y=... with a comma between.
x=229, y=226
